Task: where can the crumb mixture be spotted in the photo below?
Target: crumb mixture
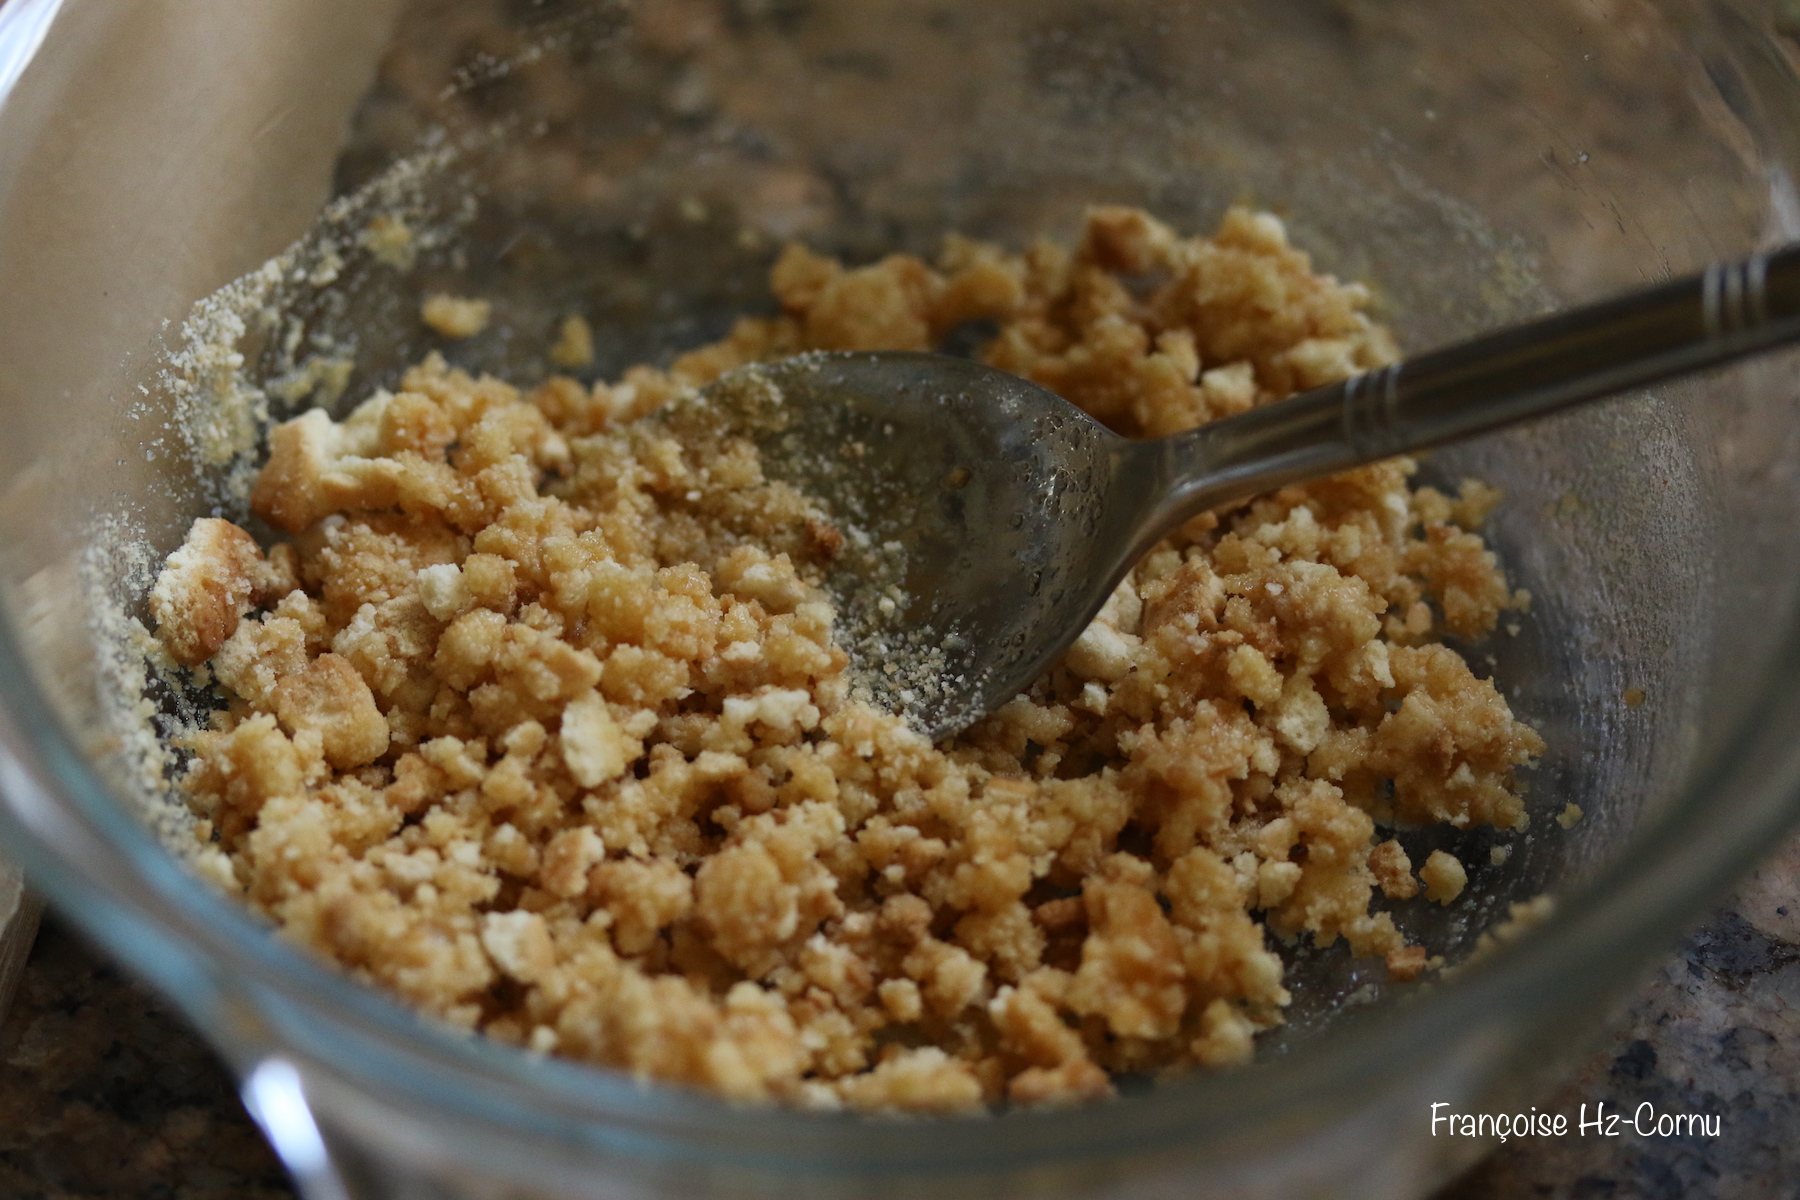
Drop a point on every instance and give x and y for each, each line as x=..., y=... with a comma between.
x=537, y=720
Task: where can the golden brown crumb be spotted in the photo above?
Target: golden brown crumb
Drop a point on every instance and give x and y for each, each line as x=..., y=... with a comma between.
x=391, y=240
x=544, y=729
x=574, y=347
x=1570, y=814
x=1393, y=871
x=1633, y=697
x=329, y=699
x=455, y=316
x=208, y=585
x=1443, y=876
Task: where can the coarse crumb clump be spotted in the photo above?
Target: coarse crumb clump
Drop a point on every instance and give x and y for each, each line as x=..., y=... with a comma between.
x=1443, y=876
x=207, y=585
x=544, y=730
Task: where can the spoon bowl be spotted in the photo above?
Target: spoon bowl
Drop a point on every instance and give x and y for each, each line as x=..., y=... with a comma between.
x=978, y=511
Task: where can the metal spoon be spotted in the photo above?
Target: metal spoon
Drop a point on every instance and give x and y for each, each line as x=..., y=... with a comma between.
x=988, y=519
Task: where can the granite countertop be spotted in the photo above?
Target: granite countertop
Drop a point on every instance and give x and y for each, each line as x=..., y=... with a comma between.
x=106, y=1095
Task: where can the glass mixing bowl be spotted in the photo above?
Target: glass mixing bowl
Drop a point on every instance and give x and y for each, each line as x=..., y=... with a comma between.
x=1477, y=163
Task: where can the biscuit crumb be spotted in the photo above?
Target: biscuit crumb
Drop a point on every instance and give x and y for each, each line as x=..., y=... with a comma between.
x=206, y=586
x=390, y=240
x=1443, y=876
x=594, y=748
x=1570, y=814
x=330, y=700
x=455, y=316
x=1393, y=871
x=574, y=346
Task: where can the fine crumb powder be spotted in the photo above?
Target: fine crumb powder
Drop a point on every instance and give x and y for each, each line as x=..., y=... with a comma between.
x=537, y=721
x=1521, y=918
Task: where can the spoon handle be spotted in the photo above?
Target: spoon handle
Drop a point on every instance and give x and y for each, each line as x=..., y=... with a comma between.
x=1499, y=379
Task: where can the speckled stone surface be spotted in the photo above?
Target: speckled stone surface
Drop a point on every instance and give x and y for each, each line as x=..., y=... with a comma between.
x=106, y=1095
x=1716, y=1032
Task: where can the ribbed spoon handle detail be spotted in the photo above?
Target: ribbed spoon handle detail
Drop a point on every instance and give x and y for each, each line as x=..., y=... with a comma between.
x=1500, y=379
